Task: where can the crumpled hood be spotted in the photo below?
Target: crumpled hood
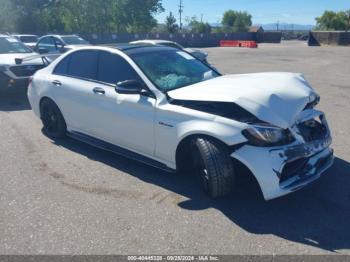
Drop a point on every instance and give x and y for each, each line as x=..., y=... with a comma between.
x=9, y=59
x=276, y=98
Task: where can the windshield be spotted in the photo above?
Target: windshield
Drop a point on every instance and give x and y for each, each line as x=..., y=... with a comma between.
x=28, y=39
x=172, y=69
x=174, y=45
x=12, y=45
x=74, y=40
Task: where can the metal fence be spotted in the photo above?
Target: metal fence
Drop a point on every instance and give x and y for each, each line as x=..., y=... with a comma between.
x=188, y=39
x=329, y=38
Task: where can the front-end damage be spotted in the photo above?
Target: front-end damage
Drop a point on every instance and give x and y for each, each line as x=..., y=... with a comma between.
x=287, y=141
x=283, y=169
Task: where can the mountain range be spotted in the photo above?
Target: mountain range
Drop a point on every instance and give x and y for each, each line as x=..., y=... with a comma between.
x=281, y=26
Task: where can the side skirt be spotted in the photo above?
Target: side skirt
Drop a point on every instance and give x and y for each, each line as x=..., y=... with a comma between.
x=118, y=150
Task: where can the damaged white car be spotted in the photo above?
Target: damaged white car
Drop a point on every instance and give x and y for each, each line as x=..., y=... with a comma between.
x=163, y=107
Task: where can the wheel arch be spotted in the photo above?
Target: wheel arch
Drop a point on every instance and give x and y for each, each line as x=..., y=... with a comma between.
x=182, y=156
x=43, y=98
x=182, y=152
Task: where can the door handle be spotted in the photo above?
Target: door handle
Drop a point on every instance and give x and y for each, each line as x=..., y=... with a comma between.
x=99, y=91
x=56, y=83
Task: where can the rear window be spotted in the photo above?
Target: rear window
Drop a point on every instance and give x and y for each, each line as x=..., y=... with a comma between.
x=62, y=67
x=74, y=40
x=83, y=64
x=29, y=39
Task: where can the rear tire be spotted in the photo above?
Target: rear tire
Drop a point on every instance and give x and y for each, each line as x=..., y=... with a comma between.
x=52, y=119
x=213, y=166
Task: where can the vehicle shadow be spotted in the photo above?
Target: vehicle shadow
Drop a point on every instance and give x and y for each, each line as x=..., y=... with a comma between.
x=318, y=215
x=14, y=101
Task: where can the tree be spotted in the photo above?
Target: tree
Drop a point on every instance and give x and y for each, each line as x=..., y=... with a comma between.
x=83, y=16
x=345, y=15
x=30, y=15
x=170, y=23
x=8, y=17
x=198, y=26
x=236, y=21
x=138, y=14
x=334, y=20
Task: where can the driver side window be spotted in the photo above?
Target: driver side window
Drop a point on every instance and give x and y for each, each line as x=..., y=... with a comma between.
x=113, y=69
x=47, y=43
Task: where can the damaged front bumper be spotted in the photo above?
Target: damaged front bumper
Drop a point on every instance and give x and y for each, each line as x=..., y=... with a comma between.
x=282, y=170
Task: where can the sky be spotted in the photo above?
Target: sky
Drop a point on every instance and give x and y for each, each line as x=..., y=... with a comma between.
x=263, y=11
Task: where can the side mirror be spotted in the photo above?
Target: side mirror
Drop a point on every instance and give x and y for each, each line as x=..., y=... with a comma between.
x=43, y=50
x=130, y=87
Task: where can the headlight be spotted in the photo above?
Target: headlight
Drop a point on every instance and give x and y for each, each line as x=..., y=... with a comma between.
x=265, y=135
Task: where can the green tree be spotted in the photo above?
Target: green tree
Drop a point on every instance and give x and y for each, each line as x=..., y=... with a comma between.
x=8, y=16
x=334, y=21
x=139, y=14
x=31, y=15
x=198, y=26
x=346, y=15
x=85, y=16
x=236, y=21
x=170, y=23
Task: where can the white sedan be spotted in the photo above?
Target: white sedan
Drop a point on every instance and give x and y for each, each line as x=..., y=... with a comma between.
x=161, y=106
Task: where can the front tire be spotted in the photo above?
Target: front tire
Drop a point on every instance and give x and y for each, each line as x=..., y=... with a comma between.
x=213, y=166
x=52, y=119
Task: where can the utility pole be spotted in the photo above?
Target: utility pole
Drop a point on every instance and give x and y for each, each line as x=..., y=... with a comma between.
x=278, y=25
x=180, y=12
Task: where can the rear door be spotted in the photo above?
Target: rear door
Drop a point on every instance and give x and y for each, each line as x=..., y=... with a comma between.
x=74, y=83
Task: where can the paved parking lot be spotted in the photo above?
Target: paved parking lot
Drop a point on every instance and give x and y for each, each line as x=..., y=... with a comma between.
x=69, y=198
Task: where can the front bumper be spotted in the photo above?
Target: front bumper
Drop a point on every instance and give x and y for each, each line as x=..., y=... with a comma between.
x=282, y=170
x=8, y=83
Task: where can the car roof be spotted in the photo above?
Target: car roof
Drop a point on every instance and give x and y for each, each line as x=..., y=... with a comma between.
x=23, y=35
x=58, y=36
x=129, y=48
x=155, y=41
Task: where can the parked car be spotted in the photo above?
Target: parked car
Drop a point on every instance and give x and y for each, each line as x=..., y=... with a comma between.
x=17, y=63
x=203, y=56
x=163, y=107
x=28, y=40
x=59, y=44
x=304, y=37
